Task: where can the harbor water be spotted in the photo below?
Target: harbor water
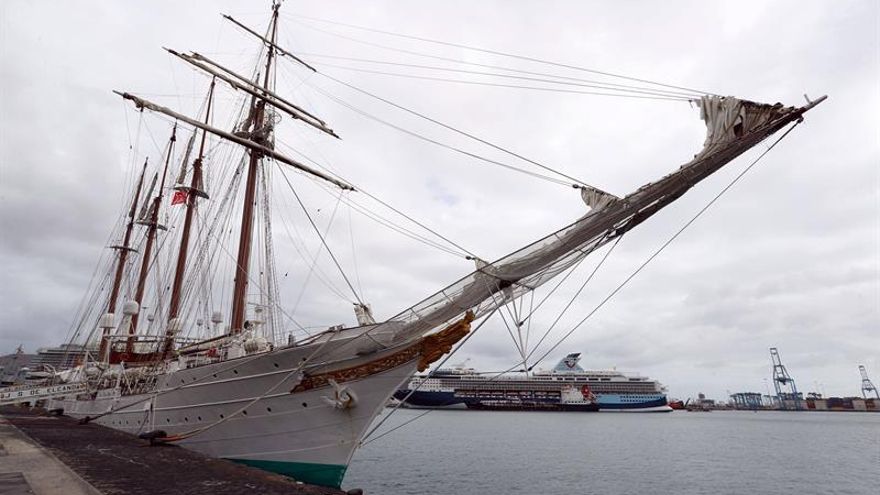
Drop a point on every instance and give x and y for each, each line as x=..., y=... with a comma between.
x=722, y=452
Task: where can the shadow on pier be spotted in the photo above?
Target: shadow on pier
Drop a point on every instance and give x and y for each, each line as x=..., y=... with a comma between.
x=114, y=462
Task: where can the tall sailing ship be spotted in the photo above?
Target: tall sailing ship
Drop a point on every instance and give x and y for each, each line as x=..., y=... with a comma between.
x=169, y=365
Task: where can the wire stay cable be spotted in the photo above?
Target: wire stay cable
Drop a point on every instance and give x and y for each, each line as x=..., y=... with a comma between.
x=422, y=137
x=454, y=129
x=320, y=236
x=500, y=53
x=667, y=243
x=546, y=78
x=554, y=78
x=513, y=86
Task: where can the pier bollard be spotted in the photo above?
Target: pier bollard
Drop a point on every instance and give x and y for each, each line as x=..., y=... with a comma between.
x=155, y=437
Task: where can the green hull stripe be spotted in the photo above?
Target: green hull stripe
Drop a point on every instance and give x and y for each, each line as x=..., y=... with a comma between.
x=317, y=474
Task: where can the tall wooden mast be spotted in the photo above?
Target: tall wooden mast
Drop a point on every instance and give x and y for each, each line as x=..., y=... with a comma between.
x=259, y=134
x=123, y=249
x=152, y=226
x=195, y=189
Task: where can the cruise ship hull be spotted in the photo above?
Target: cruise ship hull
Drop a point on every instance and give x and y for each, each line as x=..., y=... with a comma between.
x=566, y=387
x=603, y=403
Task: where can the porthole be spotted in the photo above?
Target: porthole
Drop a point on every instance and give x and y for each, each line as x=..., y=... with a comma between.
x=244, y=412
x=200, y=418
x=167, y=420
x=186, y=419
x=275, y=364
x=221, y=416
x=215, y=375
x=305, y=404
x=268, y=409
x=235, y=371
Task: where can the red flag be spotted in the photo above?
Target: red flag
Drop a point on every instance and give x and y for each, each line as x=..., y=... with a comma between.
x=178, y=198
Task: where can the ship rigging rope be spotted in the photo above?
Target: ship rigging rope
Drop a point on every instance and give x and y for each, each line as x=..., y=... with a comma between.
x=648, y=96
x=550, y=293
x=438, y=143
x=520, y=344
x=251, y=278
x=313, y=263
x=82, y=313
x=463, y=252
x=306, y=256
x=512, y=310
x=665, y=244
x=454, y=129
x=680, y=96
x=500, y=304
x=93, y=291
x=357, y=273
x=364, y=210
x=478, y=49
x=84, y=309
x=570, y=302
x=557, y=79
x=320, y=236
x=133, y=148
x=546, y=78
x=302, y=250
x=449, y=127
x=376, y=217
x=341, y=102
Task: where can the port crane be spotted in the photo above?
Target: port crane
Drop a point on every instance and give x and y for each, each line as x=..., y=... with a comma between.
x=867, y=386
x=782, y=380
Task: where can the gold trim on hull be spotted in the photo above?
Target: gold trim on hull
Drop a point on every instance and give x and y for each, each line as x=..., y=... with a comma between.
x=428, y=350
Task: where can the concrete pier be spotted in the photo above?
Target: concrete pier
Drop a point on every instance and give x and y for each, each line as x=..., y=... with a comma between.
x=26, y=467
x=48, y=455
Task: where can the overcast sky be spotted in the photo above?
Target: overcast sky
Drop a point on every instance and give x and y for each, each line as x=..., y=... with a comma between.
x=790, y=257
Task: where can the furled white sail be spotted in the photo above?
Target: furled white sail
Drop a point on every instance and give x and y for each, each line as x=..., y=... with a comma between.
x=596, y=199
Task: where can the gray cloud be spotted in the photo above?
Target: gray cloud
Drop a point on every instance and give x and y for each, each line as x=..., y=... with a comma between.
x=788, y=258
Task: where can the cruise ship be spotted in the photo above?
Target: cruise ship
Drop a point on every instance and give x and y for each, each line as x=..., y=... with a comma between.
x=561, y=388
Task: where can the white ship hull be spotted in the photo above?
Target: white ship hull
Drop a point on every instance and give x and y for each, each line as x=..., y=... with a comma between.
x=293, y=432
